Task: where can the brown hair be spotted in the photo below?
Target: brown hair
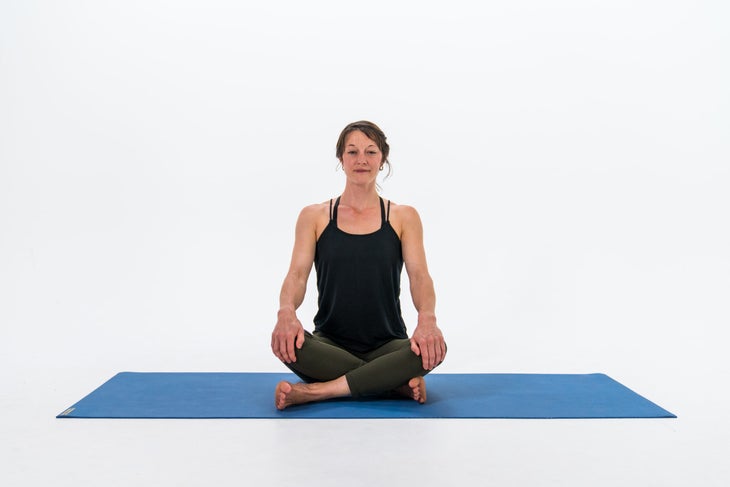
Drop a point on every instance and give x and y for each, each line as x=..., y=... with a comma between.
x=372, y=132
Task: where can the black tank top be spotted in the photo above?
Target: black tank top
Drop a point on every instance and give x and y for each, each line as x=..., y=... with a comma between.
x=358, y=279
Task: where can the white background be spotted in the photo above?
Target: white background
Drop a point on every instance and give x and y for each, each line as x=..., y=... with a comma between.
x=569, y=159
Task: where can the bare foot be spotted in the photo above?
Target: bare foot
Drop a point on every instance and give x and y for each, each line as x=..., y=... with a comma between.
x=281, y=396
x=288, y=394
x=415, y=389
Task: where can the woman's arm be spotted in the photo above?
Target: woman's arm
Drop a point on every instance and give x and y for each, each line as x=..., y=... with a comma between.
x=427, y=339
x=288, y=331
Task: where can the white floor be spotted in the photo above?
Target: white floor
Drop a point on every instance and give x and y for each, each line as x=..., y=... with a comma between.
x=38, y=449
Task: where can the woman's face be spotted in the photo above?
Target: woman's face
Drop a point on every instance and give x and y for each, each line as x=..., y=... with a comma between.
x=362, y=158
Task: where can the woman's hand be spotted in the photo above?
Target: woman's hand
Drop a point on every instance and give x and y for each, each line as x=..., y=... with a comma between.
x=288, y=333
x=428, y=342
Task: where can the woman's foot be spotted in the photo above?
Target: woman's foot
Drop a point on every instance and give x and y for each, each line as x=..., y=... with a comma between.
x=414, y=389
x=288, y=394
x=284, y=395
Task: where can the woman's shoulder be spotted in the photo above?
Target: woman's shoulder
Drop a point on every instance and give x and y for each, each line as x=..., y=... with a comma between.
x=402, y=211
x=404, y=219
x=315, y=214
x=315, y=208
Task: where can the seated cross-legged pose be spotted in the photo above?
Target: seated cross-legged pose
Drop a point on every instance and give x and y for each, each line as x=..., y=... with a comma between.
x=358, y=243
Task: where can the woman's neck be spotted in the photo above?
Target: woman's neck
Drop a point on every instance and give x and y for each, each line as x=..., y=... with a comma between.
x=359, y=197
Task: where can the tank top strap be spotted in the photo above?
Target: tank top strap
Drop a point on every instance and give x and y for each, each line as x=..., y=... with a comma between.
x=387, y=212
x=382, y=212
x=333, y=211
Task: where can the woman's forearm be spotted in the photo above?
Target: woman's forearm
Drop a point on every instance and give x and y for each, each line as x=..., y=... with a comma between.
x=292, y=293
x=424, y=296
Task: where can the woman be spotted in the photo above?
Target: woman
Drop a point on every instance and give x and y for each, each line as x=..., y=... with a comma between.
x=358, y=243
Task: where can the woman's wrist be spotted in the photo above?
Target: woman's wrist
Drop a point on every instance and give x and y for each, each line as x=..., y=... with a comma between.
x=427, y=317
x=286, y=310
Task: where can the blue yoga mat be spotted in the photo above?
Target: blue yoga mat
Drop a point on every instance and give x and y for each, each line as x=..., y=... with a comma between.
x=251, y=395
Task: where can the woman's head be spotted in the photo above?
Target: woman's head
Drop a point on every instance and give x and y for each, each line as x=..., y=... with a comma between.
x=372, y=132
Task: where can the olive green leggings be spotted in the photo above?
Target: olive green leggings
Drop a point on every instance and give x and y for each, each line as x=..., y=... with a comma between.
x=377, y=372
